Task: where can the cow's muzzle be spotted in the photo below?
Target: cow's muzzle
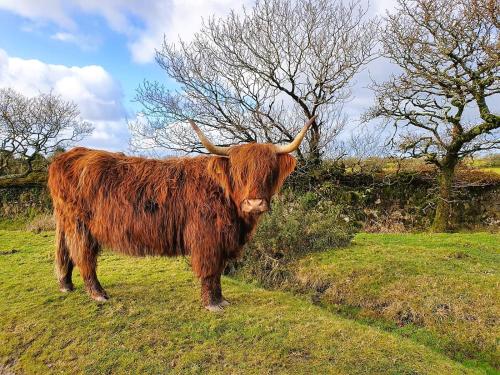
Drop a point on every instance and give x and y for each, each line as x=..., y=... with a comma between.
x=254, y=206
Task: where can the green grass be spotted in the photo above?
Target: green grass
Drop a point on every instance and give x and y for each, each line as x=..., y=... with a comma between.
x=13, y=224
x=491, y=169
x=491, y=164
x=488, y=164
x=154, y=324
x=439, y=289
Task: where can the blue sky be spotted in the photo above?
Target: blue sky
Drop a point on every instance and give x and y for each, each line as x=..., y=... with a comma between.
x=97, y=52
x=100, y=46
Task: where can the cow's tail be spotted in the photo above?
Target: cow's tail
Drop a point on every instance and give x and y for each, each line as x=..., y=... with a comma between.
x=63, y=262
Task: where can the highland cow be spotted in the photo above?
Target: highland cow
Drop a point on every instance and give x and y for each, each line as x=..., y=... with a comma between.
x=206, y=207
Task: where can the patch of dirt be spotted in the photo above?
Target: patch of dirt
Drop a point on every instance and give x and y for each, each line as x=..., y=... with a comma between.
x=5, y=370
x=8, y=252
x=408, y=316
x=458, y=255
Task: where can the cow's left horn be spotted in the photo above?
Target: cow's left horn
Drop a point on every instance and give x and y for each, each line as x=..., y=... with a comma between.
x=292, y=146
x=217, y=150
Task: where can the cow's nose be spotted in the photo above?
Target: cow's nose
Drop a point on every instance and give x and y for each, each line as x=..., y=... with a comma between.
x=254, y=206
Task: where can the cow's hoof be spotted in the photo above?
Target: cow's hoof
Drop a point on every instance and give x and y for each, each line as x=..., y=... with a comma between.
x=224, y=303
x=100, y=298
x=66, y=288
x=215, y=308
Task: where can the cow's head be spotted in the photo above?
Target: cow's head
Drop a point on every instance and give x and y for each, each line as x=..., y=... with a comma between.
x=252, y=173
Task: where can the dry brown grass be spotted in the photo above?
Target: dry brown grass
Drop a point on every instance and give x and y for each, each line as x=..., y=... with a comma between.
x=41, y=223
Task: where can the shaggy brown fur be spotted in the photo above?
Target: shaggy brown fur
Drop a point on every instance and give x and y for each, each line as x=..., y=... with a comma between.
x=176, y=206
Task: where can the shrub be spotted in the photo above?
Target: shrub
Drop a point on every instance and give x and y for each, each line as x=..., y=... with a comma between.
x=295, y=226
x=21, y=200
x=41, y=223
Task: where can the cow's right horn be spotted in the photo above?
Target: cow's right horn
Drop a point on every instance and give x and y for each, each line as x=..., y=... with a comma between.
x=217, y=150
x=292, y=146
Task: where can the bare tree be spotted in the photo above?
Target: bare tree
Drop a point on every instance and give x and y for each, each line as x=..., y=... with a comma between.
x=442, y=102
x=34, y=127
x=259, y=75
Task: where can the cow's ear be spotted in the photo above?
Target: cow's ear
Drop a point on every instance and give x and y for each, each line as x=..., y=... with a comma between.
x=286, y=163
x=218, y=169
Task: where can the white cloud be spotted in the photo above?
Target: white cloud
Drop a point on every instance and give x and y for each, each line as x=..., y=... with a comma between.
x=85, y=42
x=144, y=25
x=64, y=37
x=97, y=94
x=181, y=20
x=36, y=10
x=109, y=135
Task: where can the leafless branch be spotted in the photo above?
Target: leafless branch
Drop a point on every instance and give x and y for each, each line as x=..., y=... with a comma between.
x=36, y=126
x=258, y=76
x=449, y=54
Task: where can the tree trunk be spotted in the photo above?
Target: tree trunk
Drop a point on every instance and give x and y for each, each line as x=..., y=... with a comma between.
x=314, y=157
x=442, y=218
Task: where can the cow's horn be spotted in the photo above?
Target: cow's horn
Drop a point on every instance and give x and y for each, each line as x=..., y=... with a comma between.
x=292, y=146
x=217, y=150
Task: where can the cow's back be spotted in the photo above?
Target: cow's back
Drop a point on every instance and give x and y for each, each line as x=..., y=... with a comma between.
x=139, y=206
x=76, y=176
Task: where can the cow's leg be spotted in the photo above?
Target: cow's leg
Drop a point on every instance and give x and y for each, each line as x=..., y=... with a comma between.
x=207, y=261
x=223, y=302
x=63, y=262
x=92, y=284
x=211, y=293
x=84, y=251
x=208, y=266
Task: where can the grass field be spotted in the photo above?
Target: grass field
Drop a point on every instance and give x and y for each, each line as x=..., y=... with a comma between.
x=154, y=322
x=489, y=164
x=439, y=289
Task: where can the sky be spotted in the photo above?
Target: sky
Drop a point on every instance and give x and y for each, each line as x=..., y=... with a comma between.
x=96, y=53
